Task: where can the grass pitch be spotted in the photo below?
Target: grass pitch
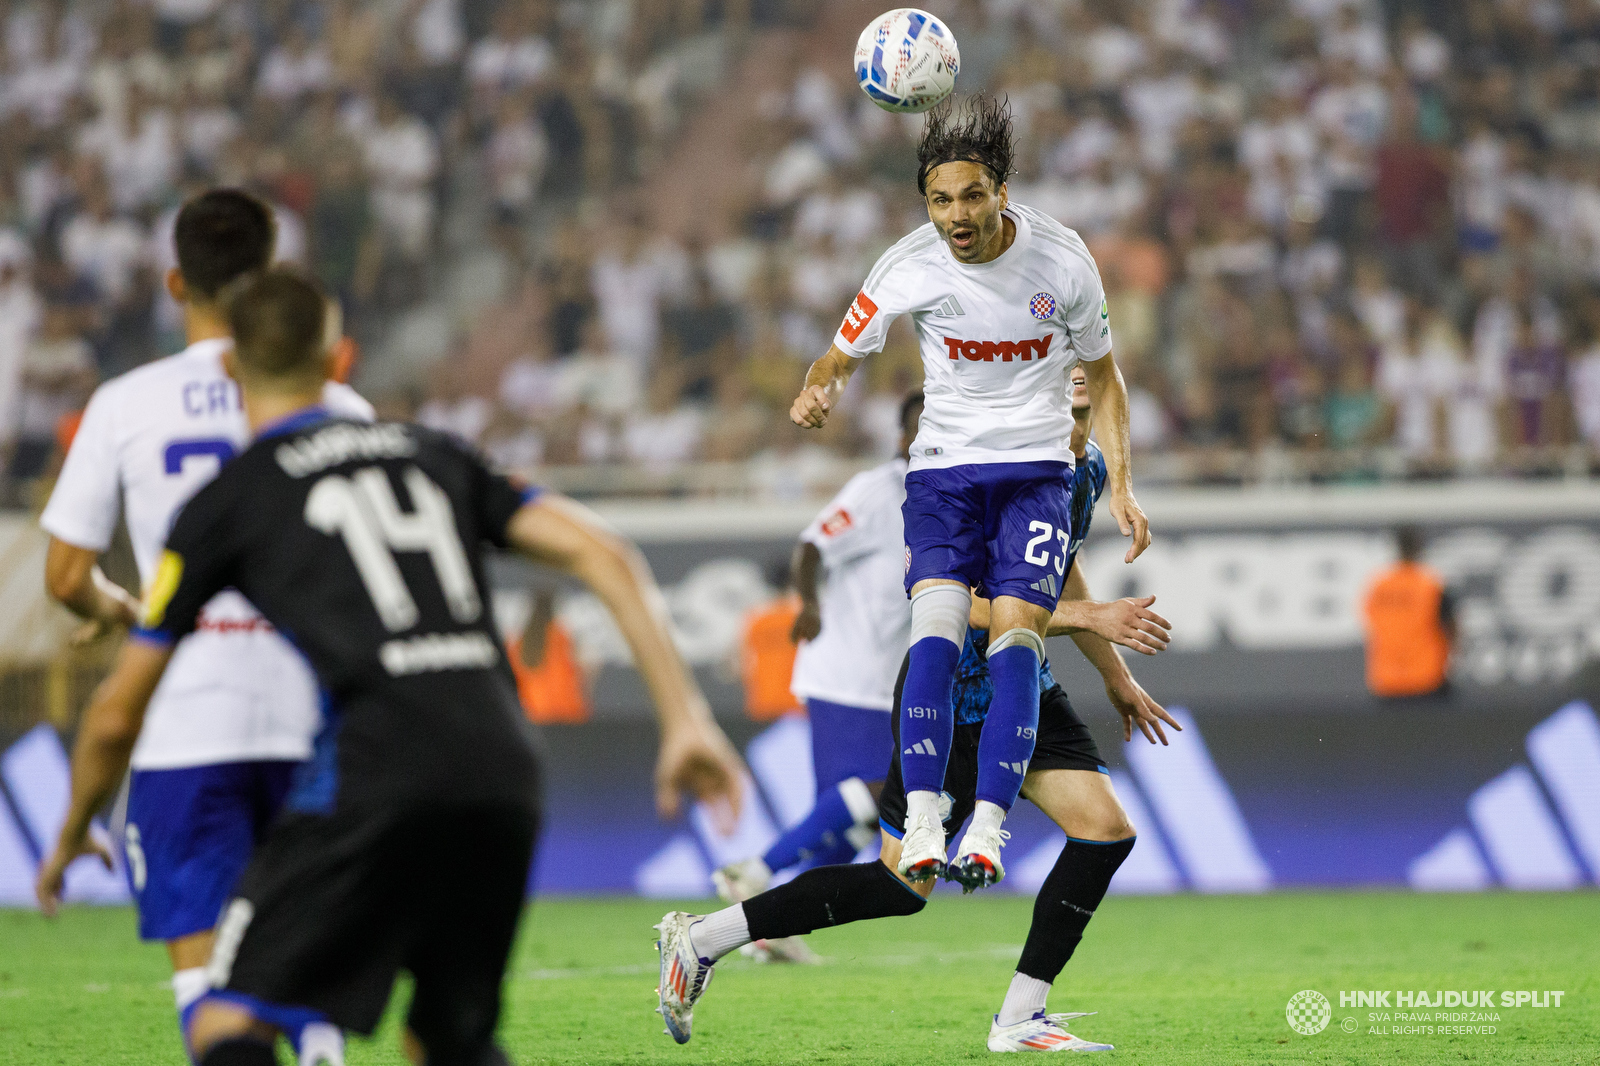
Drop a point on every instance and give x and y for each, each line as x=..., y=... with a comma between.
x=1176, y=980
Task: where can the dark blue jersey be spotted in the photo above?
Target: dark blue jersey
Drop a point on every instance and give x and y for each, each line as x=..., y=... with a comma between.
x=973, y=690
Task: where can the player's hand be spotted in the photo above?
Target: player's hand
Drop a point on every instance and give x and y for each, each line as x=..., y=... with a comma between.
x=53, y=872
x=807, y=624
x=1137, y=708
x=1132, y=624
x=1132, y=522
x=697, y=759
x=811, y=407
x=116, y=610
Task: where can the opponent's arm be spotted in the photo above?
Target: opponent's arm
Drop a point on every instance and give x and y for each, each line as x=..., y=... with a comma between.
x=806, y=565
x=1128, y=622
x=695, y=755
x=106, y=735
x=824, y=382
x=1108, y=397
x=1126, y=695
x=73, y=578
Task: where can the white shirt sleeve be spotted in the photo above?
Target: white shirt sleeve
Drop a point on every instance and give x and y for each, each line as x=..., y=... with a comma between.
x=1085, y=313
x=342, y=400
x=844, y=530
x=86, y=501
x=885, y=297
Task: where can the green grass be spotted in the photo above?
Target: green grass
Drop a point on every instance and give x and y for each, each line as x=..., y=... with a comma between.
x=1176, y=980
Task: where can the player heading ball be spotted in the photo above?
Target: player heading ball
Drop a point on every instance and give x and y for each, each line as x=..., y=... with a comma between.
x=988, y=491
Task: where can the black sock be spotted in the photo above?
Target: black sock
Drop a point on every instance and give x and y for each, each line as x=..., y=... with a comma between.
x=829, y=895
x=1067, y=901
x=240, y=1052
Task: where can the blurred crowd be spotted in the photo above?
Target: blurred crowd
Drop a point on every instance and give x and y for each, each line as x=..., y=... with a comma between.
x=1340, y=238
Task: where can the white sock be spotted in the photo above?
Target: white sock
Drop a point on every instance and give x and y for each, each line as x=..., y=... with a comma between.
x=188, y=986
x=987, y=816
x=321, y=1044
x=1024, y=999
x=717, y=934
x=922, y=802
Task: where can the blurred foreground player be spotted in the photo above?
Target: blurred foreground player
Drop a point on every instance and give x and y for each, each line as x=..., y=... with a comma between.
x=406, y=839
x=852, y=629
x=237, y=709
x=1066, y=779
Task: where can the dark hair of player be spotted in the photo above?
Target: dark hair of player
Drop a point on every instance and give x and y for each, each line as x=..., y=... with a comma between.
x=911, y=405
x=977, y=132
x=221, y=235
x=279, y=322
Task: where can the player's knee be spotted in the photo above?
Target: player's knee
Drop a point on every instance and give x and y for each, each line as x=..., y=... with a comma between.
x=941, y=611
x=1018, y=638
x=904, y=904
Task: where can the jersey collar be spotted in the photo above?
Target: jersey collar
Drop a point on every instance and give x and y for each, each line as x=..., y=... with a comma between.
x=304, y=418
x=1018, y=245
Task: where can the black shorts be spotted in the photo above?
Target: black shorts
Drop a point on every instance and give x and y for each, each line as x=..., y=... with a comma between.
x=1064, y=743
x=332, y=907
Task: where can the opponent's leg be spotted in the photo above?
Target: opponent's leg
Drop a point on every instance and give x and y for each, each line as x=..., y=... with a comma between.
x=939, y=610
x=1006, y=743
x=690, y=945
x=1099, y=838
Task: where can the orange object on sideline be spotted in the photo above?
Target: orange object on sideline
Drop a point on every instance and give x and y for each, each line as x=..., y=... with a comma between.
x=552, y=692
x=766, y=662
x=67, y=429
x=1408, y=650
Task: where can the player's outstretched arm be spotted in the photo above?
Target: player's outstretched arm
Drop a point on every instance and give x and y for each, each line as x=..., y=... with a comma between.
x=106, y=736
x=695, y=755
x=825, y=381
x=1108, y=398
x=1130, y=699
x=807, y=568
x=73, y=578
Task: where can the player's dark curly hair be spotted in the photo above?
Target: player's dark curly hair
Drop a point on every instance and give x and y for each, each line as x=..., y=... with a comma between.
x=978, y=131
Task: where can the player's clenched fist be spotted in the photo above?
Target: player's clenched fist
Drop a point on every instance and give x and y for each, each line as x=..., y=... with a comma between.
x=811, y=407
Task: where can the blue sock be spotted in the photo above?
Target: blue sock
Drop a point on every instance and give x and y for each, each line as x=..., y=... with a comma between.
x=926, y=722
x=823, y=830
x=1006, y=744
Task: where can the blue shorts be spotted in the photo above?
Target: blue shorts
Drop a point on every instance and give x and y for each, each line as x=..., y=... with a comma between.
x=190, y=832
x=1002, y=526
x=849, y=742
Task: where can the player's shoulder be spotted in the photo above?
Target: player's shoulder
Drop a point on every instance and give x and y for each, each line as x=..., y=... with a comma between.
x=911, y=252
x=874, y=483
x=135, y=386
x=1053, y=239
x=345, y=401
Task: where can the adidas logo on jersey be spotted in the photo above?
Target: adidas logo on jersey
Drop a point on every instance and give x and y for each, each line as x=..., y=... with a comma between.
x=950, y=308
x=921, y=747
x=1018, y=768
x=1046, y=585
x=1006, y=351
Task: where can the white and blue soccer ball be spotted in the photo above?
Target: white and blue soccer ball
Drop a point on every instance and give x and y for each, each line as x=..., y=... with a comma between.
x=906, y=60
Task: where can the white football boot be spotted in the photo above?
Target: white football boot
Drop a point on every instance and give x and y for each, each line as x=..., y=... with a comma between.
x=738, y=881
x=684, y=974
x=978, y=862
x=1042, y=1032
x=922, y=854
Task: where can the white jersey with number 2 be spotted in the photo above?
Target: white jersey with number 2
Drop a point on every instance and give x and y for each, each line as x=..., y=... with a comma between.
x=866, y=618
x=236, y=690
x=997, y=338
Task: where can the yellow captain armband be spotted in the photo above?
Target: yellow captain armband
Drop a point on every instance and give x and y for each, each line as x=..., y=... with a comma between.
x=162, y=587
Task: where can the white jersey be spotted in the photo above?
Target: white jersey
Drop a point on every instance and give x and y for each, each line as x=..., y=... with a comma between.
x=866, y=618
x=997, y=338
x=235, y=690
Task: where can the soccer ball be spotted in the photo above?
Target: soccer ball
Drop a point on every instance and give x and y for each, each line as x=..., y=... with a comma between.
x=906, y=60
